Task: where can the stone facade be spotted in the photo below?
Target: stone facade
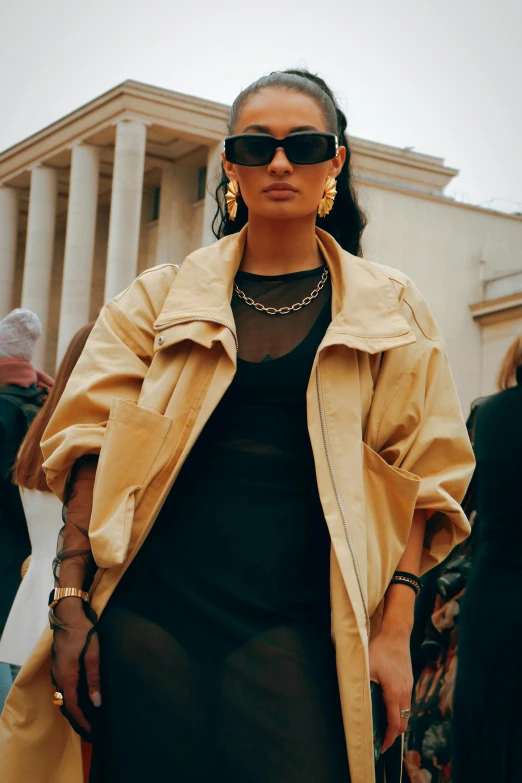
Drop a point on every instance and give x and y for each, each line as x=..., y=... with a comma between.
x=121, y=184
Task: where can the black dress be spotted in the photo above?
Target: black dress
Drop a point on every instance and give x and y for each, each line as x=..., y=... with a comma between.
x=487, y=725
x=217, y=659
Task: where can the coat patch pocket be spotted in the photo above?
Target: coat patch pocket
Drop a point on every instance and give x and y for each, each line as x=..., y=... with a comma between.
x=131, y=444
x=391, y=494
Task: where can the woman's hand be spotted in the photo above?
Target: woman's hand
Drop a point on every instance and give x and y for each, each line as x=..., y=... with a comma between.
x=390, y=666
x=76, y=660
x=390, y=659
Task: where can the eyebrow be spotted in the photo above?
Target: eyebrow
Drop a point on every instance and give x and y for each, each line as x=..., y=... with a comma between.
x=266, y=129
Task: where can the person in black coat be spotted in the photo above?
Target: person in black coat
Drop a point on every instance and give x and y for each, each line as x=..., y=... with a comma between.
x=487, y=722
x=22, y=392
x=434, y=644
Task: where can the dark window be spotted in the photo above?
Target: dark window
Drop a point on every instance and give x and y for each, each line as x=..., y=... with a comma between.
x=156, y=203
x=202, y=183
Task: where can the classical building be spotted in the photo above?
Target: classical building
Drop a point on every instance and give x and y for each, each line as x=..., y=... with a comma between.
x=121, y=184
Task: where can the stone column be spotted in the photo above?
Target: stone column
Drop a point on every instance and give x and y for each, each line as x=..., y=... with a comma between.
x=39, y=247
x=165, y=240
x=79, y=243
x=127, y=187
x=9, y=210
x=213, y=175
x=178, y=190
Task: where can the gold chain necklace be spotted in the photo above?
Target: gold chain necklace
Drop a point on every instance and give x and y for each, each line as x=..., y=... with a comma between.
x=283, y=310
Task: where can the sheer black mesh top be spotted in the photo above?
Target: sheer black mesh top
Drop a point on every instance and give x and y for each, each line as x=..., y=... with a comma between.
x=244, y=519
x=263, y=337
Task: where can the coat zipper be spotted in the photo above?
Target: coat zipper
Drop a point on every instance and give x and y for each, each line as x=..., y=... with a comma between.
x=161, y=327
x=338, y=496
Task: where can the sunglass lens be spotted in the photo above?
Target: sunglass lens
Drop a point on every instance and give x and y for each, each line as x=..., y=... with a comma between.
x=308, y=148
x=252, y=150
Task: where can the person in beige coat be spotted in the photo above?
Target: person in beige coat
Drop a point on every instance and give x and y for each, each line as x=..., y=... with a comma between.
x=274, y=433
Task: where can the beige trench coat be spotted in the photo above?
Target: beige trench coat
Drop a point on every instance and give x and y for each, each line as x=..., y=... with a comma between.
x=386, y=430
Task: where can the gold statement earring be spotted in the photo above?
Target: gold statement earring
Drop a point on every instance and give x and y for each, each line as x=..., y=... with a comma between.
x=327, y=201
x=231, y=198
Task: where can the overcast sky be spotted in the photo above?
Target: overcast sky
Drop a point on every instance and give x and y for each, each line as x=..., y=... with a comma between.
x=442, y=77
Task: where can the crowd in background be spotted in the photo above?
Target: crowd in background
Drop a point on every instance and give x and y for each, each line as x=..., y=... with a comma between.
x=30, y=514
x=466, y=723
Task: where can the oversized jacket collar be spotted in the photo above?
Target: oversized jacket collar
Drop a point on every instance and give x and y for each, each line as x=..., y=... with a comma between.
x=365, y=303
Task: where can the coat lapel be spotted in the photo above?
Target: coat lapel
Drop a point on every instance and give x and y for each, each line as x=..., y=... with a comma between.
x=365, y=306
x=198, y=306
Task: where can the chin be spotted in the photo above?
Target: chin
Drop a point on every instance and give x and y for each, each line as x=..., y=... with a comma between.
x=283, y=211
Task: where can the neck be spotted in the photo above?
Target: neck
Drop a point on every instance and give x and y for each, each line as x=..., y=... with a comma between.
x=276, y=247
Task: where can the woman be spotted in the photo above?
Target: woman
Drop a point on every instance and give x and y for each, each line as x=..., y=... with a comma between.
x=487, y=724
x=23, y=390
x=29, y=613
x=239, y=518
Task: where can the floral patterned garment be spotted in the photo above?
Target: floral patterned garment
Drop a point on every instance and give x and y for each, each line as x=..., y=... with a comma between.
x=427, y=747
x=427, y=756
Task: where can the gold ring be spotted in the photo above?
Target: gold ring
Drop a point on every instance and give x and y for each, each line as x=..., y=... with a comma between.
x=405, y=713
x=58, y=698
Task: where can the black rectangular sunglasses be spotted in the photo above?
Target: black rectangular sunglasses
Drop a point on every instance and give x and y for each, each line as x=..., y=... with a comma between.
x=303, y=148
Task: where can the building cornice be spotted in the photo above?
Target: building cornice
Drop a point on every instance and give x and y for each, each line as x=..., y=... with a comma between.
x=425, y=173
x=205, y=122
x=439, y=198
x=500, y=309
x=132, y=88
x=187, y=116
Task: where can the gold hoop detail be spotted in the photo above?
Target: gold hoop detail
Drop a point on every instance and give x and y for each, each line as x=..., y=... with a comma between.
x=327, y=201
x=231, y=198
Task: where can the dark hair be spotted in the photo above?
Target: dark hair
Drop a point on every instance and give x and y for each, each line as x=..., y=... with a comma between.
x=346, y=221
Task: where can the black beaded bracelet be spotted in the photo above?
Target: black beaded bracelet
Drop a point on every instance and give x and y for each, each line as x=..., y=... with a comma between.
x=405, y=578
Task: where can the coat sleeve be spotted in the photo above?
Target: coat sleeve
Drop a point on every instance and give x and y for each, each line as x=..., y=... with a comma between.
x=422, y=431
x=113, y=364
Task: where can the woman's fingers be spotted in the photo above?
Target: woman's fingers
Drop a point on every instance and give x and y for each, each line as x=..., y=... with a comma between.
x=404, y=721
x=391, y=700
x=76, y=664
x=395, y=702
x=70, y=705
x=92, y=670
x=66, y=682
x=390, y=666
